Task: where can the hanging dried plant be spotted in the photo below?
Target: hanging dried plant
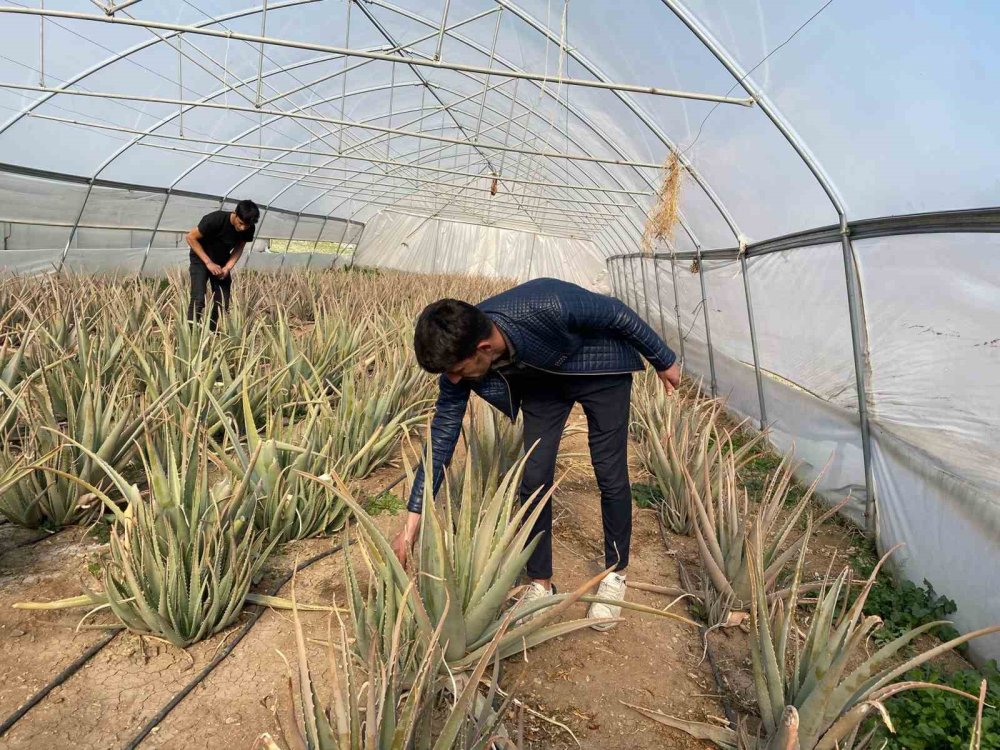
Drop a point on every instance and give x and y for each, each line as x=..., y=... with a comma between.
x=662, y=218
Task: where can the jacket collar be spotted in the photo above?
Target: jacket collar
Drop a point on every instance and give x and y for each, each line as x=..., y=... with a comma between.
x=510, y=331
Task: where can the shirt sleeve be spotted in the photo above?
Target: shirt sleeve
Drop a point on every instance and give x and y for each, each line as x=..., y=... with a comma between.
x=209, y=225
x=598, y=313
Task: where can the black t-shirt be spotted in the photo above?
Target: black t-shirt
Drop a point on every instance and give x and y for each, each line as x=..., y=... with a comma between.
x=219, y=237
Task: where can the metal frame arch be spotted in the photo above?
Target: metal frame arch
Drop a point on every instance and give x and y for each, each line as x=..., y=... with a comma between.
x=599, y=74
x=855, y=306
x=138, y=48
x=629, y=102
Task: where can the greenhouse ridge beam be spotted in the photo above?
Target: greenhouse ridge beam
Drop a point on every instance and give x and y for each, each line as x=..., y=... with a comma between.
x=333, y=121
x=290, y=43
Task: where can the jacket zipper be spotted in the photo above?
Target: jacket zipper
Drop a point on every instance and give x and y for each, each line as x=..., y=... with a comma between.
x=510, y=396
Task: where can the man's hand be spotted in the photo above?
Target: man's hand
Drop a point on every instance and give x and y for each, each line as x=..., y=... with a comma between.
x=402, y=543
x=214, y=268
x=225, y=271
x=671, y=377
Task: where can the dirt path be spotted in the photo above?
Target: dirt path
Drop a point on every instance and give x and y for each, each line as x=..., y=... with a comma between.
x=580, y=680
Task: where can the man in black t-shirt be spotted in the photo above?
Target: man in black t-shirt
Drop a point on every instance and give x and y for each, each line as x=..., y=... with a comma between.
x=216, y=246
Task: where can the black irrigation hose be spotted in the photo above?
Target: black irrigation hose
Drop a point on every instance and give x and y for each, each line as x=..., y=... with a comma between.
x=160, y=715
x=58, y=680
x=207, y=670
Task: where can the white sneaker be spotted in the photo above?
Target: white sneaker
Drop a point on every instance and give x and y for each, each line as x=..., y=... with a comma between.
x=535, y=593
x=612, y=587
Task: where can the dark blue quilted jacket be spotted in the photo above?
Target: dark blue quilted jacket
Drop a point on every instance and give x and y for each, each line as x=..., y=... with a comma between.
x=554, y=326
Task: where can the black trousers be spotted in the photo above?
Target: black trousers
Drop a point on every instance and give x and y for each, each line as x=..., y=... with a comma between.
x=546, y=404
x=220, y=293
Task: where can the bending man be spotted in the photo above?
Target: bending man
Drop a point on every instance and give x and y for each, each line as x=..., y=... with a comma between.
x=216, y=246
x=540, y=348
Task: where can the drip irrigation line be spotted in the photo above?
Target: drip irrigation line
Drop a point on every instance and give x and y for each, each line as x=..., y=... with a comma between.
x=207, y=670
x=58, y=680
x=160, y=715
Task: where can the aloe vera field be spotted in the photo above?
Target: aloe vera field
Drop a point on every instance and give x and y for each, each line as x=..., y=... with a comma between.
x=195, y=550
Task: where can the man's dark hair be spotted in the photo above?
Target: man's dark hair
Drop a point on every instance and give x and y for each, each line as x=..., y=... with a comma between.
x=248, y=212
x=447, y=332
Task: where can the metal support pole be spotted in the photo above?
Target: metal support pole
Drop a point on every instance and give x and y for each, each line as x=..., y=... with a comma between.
x=392, y=101
x=246, y=263
x=322, y=228
x=343, y=91
x=859, y=343
x=677, y=304
x=616, y=278
x=152, y=237
x=347, y=225
x=288, y=244
x=531, y=254
x=444, y=24
x=41, y=47
x=659, y=299
x=180, y=84
x=645, y=288
x=708, y=328
x=76, y=225
x=753, y=341
x=633, y=300
x=437, y=247
x=260, y=59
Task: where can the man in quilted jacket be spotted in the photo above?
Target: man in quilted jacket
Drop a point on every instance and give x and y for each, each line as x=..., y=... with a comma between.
x=540, y=348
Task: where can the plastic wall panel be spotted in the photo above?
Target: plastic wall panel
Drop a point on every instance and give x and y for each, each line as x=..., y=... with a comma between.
x=421, y=245
x=932, y=303
x=949, y=529
x=32, y=199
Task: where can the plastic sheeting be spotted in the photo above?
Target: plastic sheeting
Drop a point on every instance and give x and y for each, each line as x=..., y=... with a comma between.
x=427, y=245
x=934, y=365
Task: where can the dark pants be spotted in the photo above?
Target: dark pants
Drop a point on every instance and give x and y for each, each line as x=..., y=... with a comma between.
x=546, y=404
x=220, y=293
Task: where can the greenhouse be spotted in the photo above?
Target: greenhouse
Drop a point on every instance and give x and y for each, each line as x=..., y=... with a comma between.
x=793, y=204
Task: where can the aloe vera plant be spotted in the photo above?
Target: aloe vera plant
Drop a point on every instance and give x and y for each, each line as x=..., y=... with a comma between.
x=374, y=410
x=288, y=506
x=374, y=706
x=681, y=444
x=722, y=516
x=180, y=562
x=493, y=444
x=815, y=690
x=469, y=559
x=105, y=423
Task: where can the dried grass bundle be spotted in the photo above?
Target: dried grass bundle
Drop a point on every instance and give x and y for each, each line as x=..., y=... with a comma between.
x=662, y=218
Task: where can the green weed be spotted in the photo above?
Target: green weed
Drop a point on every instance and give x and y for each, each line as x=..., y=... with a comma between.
x=936, y=720
x=387, y=502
